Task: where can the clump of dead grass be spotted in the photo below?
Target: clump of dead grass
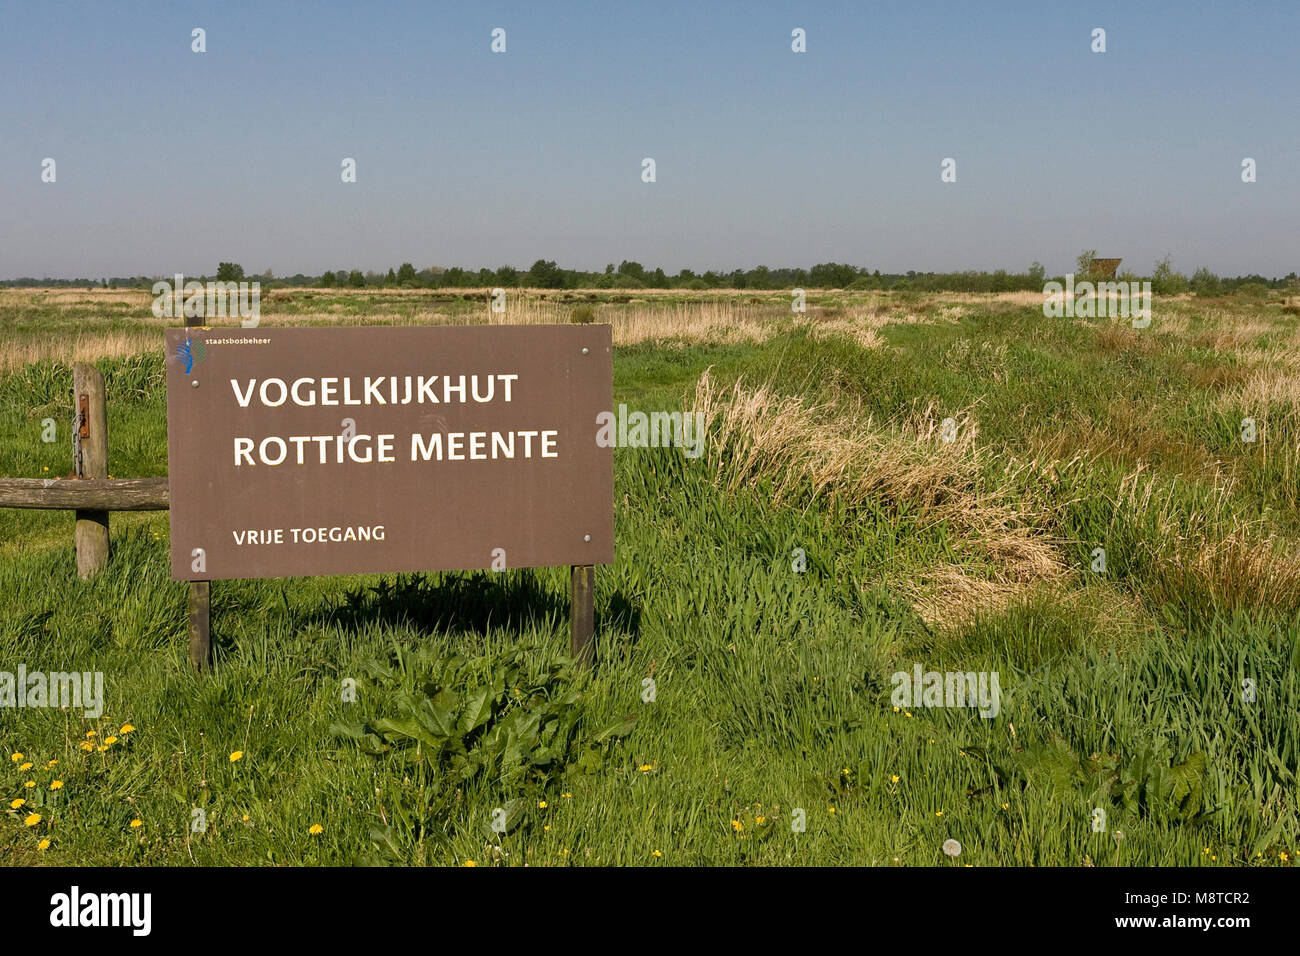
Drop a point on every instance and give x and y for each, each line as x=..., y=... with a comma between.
x=956, y=595
x=801, y=453
x=1207, y=558
x=1267, y=391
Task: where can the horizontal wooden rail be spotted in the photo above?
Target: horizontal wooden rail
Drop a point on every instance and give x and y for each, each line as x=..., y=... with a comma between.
x=78, y=494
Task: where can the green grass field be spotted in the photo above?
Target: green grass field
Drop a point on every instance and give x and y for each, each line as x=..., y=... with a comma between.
x=771, y=738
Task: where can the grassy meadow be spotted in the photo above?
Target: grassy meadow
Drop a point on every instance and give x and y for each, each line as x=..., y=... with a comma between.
x=1162, y=691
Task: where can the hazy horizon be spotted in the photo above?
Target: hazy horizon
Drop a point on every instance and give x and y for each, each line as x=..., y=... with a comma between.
x=172, y=161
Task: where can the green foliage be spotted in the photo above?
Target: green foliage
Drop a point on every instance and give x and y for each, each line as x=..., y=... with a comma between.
x=1165, y=281
x=832, y=275
x=230, y=272
x=1204, y=282
x=583, y=315
x=503, y=720
x=547, y=274
x=544, y=274
x=507, y=724
x=1143, y=784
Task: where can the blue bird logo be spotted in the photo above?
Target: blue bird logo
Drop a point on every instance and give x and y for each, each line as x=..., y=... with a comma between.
x=189, y=353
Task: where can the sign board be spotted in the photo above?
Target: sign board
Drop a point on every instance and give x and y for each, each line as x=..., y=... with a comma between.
x=306, y=451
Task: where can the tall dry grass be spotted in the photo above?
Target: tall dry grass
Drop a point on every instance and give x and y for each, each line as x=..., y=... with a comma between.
x=800, y=453
x=83, y=347
x=1205, y=558
x=723, y=322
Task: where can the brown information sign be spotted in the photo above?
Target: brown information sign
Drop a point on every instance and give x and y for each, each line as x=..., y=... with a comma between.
x=310, y=451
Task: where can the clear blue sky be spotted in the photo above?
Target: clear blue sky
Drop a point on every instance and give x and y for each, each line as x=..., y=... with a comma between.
x=170, y=161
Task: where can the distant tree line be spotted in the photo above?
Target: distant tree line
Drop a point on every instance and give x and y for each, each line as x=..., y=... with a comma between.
x=545, y=274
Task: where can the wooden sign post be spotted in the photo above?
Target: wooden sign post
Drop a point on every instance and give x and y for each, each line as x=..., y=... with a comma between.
x=200, y=599
x=582, y=614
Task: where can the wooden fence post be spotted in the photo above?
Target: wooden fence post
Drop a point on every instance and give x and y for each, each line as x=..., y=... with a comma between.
x=200, y=595
x=582, y=614
x=90, y=450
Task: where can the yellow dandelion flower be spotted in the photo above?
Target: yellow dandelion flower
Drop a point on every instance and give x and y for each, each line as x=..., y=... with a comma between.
x=244, y=818
x=101, y=748
x=645, y=768
x=110, y=740
x=547, y=827
x=566, y=796
x=87, y=746
x=32, y=820
x=27, y=766
x=137, y=822
x=91, y=733
x=44, y=844
x=737, y=825
x=1283, y=856
x=126, y=729
x=237, y=755
x=56, y=785
x=316, y=829
x=830, y=809
x=656, y=853
x=45, y=467
x=760, y=820
x=897, y=709
x=893, y=778
x=50, y=764
x=907, y=713
x=1006, y=806
x=541, y=804
x=469, y=863
x=938, y=813
x=16, y=757
x=29, y=784
x=15, y=804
